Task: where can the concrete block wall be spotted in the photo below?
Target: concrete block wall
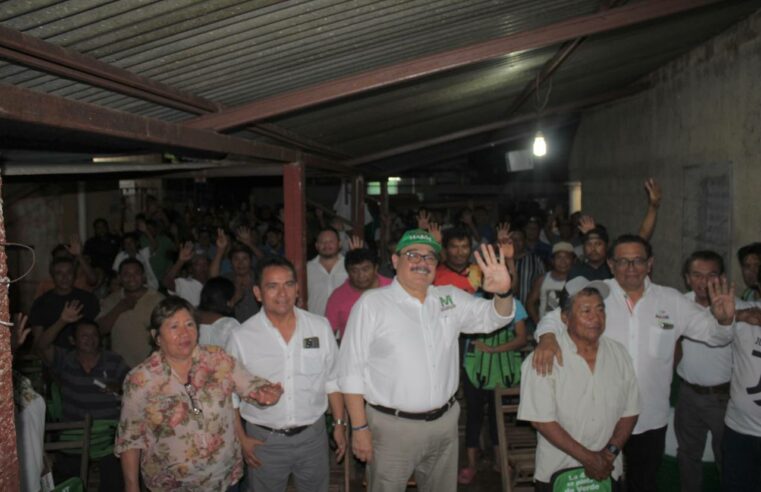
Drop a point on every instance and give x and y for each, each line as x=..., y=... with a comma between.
x=704, y=109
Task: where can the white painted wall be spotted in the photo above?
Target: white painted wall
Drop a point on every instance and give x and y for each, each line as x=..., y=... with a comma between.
x=704, y=109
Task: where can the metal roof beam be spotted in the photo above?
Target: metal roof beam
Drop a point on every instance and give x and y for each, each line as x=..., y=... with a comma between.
x=24, y=105
x=432, y=64
x=32, y=52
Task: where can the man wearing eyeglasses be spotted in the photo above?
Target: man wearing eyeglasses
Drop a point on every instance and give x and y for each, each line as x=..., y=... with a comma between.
x=647, y=319
x=400, y=356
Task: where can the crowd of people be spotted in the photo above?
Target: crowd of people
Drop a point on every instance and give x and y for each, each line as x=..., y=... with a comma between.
x=187, y=331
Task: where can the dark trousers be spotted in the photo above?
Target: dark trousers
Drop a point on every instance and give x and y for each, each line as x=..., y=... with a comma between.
x=67, y=466
x=476, y=400
x=643, y=454
x=695, y=416
x=741, y=464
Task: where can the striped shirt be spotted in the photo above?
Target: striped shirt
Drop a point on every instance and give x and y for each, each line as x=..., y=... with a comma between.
x=79, y=393
x=528, y=268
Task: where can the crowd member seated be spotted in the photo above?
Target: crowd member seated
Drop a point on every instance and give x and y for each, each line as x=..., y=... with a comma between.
x=90, y=380
x=48, y=311
x=126, y=314
x=85, y=277
x=189, y=288
x=130, y=249
x=362, y=268
x=598, y=378
x=242, y=274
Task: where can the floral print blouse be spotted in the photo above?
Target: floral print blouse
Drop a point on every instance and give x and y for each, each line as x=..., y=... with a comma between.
x=185, y=432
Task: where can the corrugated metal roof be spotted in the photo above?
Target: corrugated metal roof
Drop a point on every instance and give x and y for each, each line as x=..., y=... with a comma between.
x=235, y=52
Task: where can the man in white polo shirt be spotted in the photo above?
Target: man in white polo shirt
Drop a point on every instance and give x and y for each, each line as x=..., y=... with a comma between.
x=647, y=319
x=585, y=410
x=299, y=349
x=704, y=388
x=400, y=354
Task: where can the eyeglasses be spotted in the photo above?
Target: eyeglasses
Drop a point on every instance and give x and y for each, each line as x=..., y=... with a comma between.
x=415, y=258
x=626, y=263
x=191, y=391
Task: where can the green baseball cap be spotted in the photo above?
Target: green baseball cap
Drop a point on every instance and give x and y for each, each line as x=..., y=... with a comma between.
x=418, y=236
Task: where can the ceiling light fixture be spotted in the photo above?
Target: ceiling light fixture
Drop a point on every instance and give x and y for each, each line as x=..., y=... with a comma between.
x=540, y=144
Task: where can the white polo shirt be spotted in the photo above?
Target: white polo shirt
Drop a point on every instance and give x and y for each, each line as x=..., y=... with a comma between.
x=306, y=367
x=403, y=354
x=704, y=365
x=586, y=404
x=321, y=283
x=744, y=408
x=649, y=333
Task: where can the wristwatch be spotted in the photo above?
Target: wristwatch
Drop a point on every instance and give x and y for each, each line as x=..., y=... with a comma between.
x=339, y=422
x=612, y=449
x=504, y=295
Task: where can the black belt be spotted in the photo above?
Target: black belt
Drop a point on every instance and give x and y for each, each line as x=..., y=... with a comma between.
x=291, y=431
x=428, y=416
x=719, y=389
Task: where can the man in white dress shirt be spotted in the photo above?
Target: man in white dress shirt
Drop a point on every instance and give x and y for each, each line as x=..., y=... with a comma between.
x=400, y=354
x=647, y=319
x=704, y=388
x=326, y=271
x=299, y=349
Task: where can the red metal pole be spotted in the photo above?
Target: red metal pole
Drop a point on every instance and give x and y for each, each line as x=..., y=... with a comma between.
x=294, y=211
x=9, y=478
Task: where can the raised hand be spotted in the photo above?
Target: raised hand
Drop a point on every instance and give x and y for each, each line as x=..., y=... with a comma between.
x=496, y=277
x=504, y=240
x=75, y=246
x=722, y=297
x=423, y=220
x=356, y=242
x=586, y=223
x=435, y=230
x=222, y=240
x=243, y=234
x=654, y=193
x=72, y=311
x=186, y=252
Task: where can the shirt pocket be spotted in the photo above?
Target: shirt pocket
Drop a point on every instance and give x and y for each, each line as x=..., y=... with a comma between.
x=311, y=361
x=662, y=342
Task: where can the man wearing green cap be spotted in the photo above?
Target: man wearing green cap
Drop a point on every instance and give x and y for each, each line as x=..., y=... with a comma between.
x=399, y=355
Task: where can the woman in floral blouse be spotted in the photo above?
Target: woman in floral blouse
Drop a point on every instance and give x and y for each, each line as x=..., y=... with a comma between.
x=177, y=420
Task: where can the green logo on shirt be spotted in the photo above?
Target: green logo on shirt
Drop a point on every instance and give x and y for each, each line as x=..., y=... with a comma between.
x=446, y=303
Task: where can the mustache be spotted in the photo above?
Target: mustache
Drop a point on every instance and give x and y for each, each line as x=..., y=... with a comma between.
x=421, y=269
